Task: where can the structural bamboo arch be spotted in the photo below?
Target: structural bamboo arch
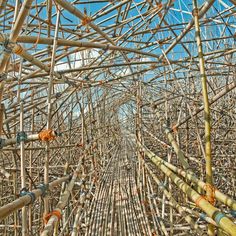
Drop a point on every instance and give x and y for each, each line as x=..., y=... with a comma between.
x=117, y=117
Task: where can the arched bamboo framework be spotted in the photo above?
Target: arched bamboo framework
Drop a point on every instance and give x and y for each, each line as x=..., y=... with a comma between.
x=117, y=117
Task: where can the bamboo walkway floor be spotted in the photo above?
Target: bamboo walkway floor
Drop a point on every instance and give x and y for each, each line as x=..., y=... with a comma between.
x=116, y=208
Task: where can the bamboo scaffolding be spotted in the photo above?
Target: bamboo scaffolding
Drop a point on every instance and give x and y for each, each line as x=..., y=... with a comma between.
x=112, y=96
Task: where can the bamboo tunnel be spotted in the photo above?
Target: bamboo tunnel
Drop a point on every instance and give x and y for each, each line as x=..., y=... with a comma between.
x=117, y=118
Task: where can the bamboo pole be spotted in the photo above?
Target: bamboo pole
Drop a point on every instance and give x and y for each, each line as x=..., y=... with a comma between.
x=54, y=219
x=23, y=174
x=176, y=205
x=16, y=31
x=49, y=109
x=207, y=116
x=11, y=207
x=222, y=221
x=29, y=138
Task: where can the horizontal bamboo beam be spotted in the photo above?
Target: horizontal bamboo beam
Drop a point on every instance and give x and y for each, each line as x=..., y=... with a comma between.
x=23, y=201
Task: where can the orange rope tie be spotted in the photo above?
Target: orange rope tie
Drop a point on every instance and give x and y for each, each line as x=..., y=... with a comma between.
x=159, y=6
x=165, y=145
x=80, y=145
x=56, y=213
x=211, y=198
x=86, y=20
x=47, y=135
x=175, y=129
x=19, y=50
x=38, y=38
x=153, y=66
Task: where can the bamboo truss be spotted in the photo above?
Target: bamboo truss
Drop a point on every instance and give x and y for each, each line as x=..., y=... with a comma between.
x=117, y=117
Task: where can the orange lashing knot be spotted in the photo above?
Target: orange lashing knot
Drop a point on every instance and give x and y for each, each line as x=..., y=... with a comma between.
x=53, y=213
x=18, y=50
x=175, y=129
x=211, y=198
x=211, y=189
x=86, y=20
x=159, y=5
x=80, y=145
x=165, y=145
x=153, y=66
x=47, y=135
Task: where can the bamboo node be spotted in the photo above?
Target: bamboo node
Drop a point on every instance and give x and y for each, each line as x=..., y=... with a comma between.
x=47, y=135
x=56, y=213
x=201, y=197
x=153, y=66
x=195, y=12
x=159, y=6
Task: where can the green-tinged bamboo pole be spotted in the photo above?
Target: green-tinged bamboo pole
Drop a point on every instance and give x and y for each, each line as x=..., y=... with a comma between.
x=207, y=116
x=227, y=200
x=177, y=150
x=11, y=207
x=188, y=174
x=222, y=221
x=176, y=205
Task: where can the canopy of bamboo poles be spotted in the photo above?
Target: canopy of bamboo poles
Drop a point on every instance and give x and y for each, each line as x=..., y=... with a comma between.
x=117, y=117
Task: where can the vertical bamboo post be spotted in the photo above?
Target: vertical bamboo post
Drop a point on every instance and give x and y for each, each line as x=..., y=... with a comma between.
x=22, y=166
x=30, y=165
x=49, y=109
x=1, y=106
x=138, y=129
x=207, y=117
